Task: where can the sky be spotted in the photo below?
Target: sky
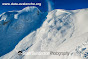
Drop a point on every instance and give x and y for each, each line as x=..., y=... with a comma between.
x=55, y=4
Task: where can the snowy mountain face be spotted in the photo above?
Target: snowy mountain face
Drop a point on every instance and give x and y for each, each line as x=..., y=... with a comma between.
x=62, y=31
x=15, y=25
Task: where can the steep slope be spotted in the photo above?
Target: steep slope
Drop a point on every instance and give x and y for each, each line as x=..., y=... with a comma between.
x=15, y=25
x=62, y=31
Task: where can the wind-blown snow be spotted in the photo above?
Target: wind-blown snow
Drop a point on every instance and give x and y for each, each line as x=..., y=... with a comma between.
x=50, y=5
x=62, y=31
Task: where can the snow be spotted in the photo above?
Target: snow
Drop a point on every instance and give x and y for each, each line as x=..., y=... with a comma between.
x=12, y=30
x=3, y=18
x=16, y=16
x=62, y=31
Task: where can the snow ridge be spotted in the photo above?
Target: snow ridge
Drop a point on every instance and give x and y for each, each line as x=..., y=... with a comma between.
x=62, y=31
x=15, y=25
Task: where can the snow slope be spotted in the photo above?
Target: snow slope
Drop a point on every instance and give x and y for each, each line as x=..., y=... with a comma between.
x=62, y=31
x=15, y=25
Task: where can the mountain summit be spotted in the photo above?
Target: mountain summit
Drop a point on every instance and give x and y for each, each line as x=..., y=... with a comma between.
x=15, y=25
x=61, y=31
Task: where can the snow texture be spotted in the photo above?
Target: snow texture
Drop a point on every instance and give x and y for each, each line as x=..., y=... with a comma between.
x=62, y=31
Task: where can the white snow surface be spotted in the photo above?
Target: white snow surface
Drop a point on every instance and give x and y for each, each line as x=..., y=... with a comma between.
x=15, y=25
x=62, y=31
